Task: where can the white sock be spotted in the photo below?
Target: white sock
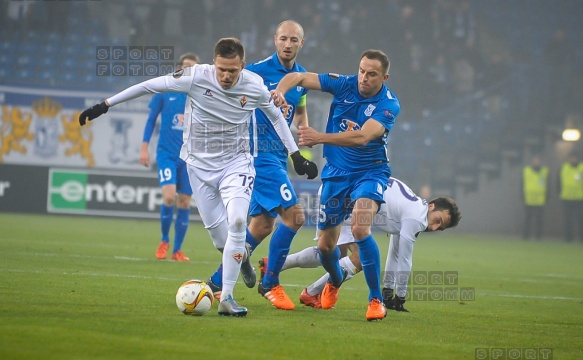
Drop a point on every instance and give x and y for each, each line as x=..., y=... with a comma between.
x=307, y=258
x=232, y=258
x=318, y=285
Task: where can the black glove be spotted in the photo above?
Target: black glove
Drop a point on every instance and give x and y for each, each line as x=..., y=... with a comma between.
x=399, y=302
x=304, y=166
x=93, y=112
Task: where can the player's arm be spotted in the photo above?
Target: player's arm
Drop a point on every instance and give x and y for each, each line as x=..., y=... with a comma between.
x=156, y=105
x=371, y=130
x=307, y=80
x=301, y=165
x=301, y=114
x=179, y=81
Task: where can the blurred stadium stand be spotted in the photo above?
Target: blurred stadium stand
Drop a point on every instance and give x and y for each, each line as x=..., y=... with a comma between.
x=479, y=81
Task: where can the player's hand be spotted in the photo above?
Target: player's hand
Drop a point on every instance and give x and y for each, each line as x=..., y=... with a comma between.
x=93, y=112
x=278, y=98
x=399, y=302
x=145, y=156
x=304, y=166
x=308, y=136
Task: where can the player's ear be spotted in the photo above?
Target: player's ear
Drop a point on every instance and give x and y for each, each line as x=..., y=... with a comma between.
x=386, y=77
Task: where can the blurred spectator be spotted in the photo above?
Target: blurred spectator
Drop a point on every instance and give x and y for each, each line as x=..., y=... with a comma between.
x=535, y=179
x=571, y=194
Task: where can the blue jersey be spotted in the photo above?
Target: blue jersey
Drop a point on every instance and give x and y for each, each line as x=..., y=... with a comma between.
x=264, y=139
x=171, y=106
x=348, y=112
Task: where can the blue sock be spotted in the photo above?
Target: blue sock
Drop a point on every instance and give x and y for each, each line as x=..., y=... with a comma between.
x=217, y=277
x=251, y=241
x=278, y=249
x=166, y=213
x=370, y=259
x=331, y=264
x=180, y=227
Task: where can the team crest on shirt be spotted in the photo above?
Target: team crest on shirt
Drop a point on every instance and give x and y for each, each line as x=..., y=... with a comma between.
x=238, y=257
x=348, y=125
x=369, y=109
x=243, y=101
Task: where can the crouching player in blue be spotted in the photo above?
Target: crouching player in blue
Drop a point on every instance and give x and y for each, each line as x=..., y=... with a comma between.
x=172, y=173
x=357, y=171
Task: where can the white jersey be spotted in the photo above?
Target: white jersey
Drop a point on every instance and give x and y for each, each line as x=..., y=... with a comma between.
x=216, y=121
x=404, y=216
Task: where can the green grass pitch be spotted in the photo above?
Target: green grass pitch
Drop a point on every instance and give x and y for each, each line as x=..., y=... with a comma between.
x=90, y=288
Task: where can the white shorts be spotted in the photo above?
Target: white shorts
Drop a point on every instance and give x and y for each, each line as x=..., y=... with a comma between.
x=345, y=237
x=213, y=189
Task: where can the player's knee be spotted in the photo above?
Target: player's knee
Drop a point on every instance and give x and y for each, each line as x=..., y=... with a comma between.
x=237, y=224
x=294, y=218
x=360, y=231
x=325, y=248
x=169, y=199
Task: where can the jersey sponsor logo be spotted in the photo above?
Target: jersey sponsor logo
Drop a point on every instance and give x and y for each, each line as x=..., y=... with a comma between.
x=348, y=102
x=208, y=92
x=299, y=89
x=379, y=189
x=172, y=98
x=369, y=109
x=334, y=75
x=348, y=125
x=178, y=73
x=243, y=101
x=177, y=121
x=273, y=83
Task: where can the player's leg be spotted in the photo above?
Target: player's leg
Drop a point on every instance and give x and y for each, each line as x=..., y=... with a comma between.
x=235, y=187
x=167, y=180
x=183, y=211
x=310, y=296
x=390, y=274
x=279, y=245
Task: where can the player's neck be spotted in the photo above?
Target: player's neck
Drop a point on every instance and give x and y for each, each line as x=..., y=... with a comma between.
x=287, y=64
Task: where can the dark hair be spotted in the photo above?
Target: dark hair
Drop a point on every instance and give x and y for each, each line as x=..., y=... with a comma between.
x=189, y=56
x=449, y=205
x=380, y=56
x=229, y=48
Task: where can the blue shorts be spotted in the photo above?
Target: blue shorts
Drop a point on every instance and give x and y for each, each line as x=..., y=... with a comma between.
x=172, y=171
x=272, y=188
x=341, y=189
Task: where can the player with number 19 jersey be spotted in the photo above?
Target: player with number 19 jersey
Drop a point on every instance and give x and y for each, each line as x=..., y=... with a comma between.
x=347, y=167
x=172, y=169
x=266, y=147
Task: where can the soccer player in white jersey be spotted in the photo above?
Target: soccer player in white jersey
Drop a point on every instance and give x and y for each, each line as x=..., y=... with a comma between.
x=221, y=100
x=274, y=194
x=404, y=216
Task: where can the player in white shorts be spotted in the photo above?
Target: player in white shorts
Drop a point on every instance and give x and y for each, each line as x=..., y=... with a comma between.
x=404, y=216
x=221, y=100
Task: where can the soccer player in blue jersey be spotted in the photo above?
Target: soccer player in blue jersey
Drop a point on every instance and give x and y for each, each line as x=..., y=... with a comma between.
x=357, y=171
x=273, y=193
x=172, y=173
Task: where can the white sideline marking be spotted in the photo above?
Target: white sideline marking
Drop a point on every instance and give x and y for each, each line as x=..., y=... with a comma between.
x=542, y=297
